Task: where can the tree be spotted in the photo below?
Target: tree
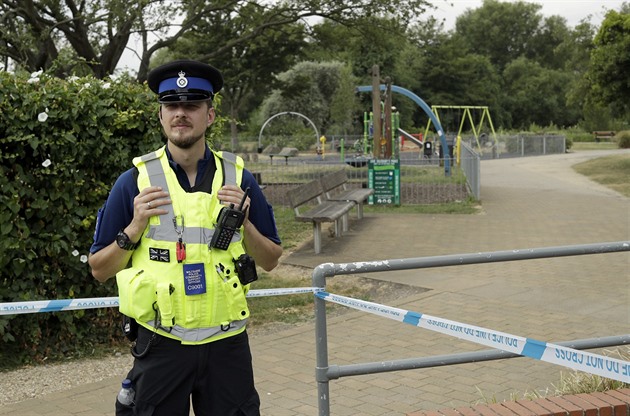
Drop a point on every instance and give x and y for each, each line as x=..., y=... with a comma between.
x=370, y=41
x=32, y=32
x=537, y=95
x=248, y=68
x=577, y=52
x=548, y=43
x=385, y=42
x=344, y=106
x=442, y=71
x=502, y=31
x=314, y=89
x=609, y=70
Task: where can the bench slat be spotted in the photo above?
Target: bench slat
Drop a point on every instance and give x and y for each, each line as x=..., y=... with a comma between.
x=304, y=193
x=333, y=180
x=355, y=195
x=335, y=189
x=326, y=212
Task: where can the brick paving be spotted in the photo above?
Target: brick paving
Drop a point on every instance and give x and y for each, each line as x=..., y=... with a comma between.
x=527, y=203
x=609, y=403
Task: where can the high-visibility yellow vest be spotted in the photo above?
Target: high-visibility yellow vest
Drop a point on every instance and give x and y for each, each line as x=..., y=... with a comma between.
x=200, y=299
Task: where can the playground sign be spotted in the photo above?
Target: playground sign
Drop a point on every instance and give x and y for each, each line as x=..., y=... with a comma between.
x=384, y=178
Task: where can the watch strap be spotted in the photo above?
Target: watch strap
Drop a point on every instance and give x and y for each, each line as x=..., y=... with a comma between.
x=124, y=242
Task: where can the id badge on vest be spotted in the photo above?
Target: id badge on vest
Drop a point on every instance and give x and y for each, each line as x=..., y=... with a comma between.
x=194, y=279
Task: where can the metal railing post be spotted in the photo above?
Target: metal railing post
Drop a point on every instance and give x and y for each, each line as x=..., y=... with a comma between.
x=321, y=340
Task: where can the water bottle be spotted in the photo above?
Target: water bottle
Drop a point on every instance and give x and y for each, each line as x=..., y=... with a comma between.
x=126, y=393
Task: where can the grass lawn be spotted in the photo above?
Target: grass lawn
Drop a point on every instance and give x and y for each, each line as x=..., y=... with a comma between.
x=582, y=146
x=611, y=171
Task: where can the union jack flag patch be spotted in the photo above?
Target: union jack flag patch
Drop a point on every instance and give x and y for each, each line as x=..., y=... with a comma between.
x=162, y=255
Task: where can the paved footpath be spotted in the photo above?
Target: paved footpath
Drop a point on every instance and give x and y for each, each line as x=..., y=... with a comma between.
x=527, y=203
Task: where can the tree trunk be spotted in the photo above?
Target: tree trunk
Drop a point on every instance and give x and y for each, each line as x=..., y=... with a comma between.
x=233, y=127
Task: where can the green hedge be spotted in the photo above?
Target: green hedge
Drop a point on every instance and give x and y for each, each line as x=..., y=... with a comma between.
x=63, y=143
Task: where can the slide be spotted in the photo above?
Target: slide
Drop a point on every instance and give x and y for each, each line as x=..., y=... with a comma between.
x=411, y=138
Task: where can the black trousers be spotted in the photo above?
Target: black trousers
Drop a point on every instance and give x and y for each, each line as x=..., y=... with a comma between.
x=218, y=376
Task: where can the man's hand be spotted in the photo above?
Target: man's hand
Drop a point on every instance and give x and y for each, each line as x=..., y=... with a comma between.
x=110, y=260
x=264, y=251
x=231, y=194
x=145, y=205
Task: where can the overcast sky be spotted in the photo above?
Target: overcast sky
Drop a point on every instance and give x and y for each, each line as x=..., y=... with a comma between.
x=572, y=10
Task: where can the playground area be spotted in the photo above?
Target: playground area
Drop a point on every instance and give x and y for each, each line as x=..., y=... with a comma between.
x=422, y=178
x=437, y=165
x=421, y=181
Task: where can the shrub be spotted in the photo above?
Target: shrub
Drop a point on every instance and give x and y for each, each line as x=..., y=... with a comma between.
x=623, y=139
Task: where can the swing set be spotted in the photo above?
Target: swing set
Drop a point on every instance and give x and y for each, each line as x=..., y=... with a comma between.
x=465, y=113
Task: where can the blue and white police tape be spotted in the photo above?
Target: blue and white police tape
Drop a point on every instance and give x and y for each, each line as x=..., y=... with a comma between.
x=282, y=291
x=568, y=357
x=36, y=306
x=13, y=308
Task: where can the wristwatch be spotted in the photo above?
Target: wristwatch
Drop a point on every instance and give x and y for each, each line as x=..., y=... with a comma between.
x=124, y=242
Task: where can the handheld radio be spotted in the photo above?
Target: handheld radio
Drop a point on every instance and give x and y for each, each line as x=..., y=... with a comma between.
x=230, y=219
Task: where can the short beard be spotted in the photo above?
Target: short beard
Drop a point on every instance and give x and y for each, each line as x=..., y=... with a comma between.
x=186, y=143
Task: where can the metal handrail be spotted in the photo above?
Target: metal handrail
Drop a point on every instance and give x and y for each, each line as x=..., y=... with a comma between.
x=324, y=372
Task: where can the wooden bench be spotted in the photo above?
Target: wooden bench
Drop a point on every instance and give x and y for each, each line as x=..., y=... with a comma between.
x=319, y=210
x=335, y=186
x=286, y=152
x=606, y=135
x=258, y=178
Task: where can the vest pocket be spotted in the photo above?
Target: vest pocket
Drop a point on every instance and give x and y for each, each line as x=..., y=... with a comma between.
x=137, y=293
x=235, y=297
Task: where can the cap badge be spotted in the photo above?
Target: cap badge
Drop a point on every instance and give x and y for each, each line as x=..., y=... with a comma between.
x=182, y=82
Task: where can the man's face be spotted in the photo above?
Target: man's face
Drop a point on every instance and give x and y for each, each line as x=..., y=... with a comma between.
x=185, y=123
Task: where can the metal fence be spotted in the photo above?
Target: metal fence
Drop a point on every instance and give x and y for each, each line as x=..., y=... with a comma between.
x=422, y=179
x=520, y=145
x=470, y=163
x=516, y=347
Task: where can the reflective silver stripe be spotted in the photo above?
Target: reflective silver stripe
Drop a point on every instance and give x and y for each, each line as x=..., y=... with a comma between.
x=201, y=334
x=164, y=230
x=194, y=235
x=149, y=156
x=229, y=169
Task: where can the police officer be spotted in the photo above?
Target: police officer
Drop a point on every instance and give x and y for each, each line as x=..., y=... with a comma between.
x=187, y=296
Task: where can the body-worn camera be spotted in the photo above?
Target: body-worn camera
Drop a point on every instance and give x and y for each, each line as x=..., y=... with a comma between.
x=245, y=267
x=129, y=328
